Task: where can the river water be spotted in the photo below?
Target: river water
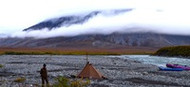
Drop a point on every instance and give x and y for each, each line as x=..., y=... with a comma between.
x=157, y=60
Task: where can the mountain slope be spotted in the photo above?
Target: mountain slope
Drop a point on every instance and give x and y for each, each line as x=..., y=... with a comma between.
x=100, y=41
x=67, y=21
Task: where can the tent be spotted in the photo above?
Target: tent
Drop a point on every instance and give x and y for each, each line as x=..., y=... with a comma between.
x=90, y=72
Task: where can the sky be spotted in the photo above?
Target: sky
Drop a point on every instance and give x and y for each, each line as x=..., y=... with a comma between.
x=162, y=16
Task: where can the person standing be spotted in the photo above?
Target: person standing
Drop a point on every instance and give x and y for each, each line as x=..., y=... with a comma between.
x=44, y=77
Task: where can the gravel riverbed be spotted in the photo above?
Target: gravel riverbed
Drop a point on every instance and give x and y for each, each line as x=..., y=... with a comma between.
x=120, y=72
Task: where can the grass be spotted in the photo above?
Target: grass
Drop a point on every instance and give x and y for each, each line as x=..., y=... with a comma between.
x=1, y=65
x=58, y=53
x=65, y=82
x=65, y=51
x=20, y=80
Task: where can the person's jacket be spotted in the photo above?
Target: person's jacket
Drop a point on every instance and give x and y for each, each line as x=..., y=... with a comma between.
x=43, y=72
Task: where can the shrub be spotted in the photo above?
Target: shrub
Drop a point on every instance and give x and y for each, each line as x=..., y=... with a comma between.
x=65, y=82
x=61, y=82
x=80, y=83
x=1, y=66
x=20, y=80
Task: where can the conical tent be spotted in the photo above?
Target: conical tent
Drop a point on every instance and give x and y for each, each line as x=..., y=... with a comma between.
x=90, y=72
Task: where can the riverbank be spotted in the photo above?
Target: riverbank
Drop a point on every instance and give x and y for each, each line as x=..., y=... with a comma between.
x=120, y=72
x=175, y=51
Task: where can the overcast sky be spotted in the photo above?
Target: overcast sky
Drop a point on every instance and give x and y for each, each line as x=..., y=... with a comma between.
x=170, y=16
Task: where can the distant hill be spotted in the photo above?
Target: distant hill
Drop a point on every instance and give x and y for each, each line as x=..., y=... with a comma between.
x=179, y=51
x=114, y=40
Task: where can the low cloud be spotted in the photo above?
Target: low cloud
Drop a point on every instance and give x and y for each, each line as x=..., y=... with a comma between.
x=138, y=20
x=160, y=16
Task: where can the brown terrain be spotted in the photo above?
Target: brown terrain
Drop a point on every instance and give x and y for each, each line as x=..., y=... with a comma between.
x=79, y=51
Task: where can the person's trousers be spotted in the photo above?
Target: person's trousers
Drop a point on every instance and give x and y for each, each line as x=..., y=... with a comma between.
x=43, y=81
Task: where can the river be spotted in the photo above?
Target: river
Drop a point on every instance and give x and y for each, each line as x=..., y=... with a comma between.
x=157, y=60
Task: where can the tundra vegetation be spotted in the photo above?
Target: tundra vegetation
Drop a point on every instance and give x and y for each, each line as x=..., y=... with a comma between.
x=65, y=82
x=60, y=81
x=178, y=51
x=1, y=65
x=20, y=81
x=64, y=51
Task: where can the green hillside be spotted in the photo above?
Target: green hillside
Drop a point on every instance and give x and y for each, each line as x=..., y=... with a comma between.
x=180, y=51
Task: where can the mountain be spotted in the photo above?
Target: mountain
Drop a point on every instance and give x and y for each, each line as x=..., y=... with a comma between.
x=110, y=41
x=67, y=21
x=2, y=35
x=114, y=40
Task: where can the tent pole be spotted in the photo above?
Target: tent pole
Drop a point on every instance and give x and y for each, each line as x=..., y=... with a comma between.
x=87, y=58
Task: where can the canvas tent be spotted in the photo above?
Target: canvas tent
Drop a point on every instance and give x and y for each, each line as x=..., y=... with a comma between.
x=90, y=72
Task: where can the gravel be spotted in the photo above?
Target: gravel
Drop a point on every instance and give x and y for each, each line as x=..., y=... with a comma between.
x=120, y=72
